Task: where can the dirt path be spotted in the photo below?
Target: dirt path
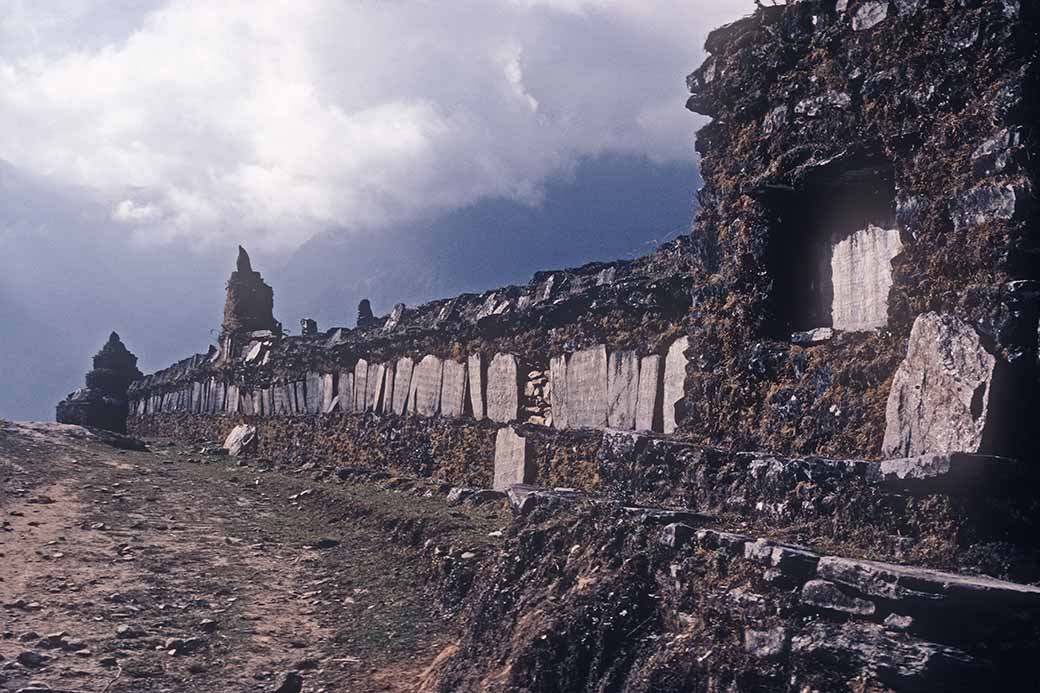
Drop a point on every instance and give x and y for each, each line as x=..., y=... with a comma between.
x=133, y=571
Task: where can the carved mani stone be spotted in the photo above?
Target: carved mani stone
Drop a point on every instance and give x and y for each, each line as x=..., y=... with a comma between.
x=674, y=382
x=587, y=388
x=861, y=272
x=558, y=387
x=402, y=385
x=314, y=394
x=475, y=368
x=360, y=384
x=426, y=386
x=328, y=392
x=503, y=389
x=453, y=388
x=513, y=464
x=648, y=402
x=346, y=391
x=942, y=391
x=374, y=385
x=622, y=389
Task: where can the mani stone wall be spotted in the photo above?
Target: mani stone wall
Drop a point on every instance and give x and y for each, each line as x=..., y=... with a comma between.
x=866, y=162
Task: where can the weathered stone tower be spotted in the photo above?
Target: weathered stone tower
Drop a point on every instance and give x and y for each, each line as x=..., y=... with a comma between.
x=249, y=306
x=103, y=402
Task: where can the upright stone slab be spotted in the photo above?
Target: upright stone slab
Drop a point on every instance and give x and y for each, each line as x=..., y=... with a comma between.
x=674, y=382
x=941, y=392
x=558, y=391
x=861, y=272
x=513, y=463
x=503, y=389
x=345, y=391
x=402, y=384
x=385, y=404
x=426, y=386
x=453, y=388
x=622, y=389
x=649, y=416
x=360, y=383
x=374, y=385
x=233, y=401
x=328, y=392
x=314, y=395
x=587, y=388
x=475, y=368
x=282, y=393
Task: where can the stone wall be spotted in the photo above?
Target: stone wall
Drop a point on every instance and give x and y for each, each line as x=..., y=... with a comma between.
x=858, y=174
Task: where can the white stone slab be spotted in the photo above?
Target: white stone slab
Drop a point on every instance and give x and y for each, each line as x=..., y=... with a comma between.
x=328, y=392
x=587, y=388
x=385, y=403
x=861, y=272
x=233, y=403
x=622, y=389
x=402, y=384
x=648, y=401
x=314, y=393
x=453, y=388
x=503, y=389
x=475, y=368
x=942, y=391
x=674, y=387
x=360, y=383
x=426, y=386
x=345, y=390
x=513, y=463
x=558, y=390
x=374, y=384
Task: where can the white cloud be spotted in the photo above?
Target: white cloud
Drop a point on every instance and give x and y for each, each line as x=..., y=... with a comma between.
x=275, y=120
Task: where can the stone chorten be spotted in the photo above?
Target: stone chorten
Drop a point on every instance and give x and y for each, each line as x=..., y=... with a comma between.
x=103, y=402
x=250, y=301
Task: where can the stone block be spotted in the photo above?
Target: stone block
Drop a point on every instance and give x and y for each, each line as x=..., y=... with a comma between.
x=453, y=388
x=374, y=384
x=622, y=389
x=426, y=386
x=941, y=392
x=360, y=384
x=503, y=388
x=558, y=387
x=282, y=396
x=513, y=464
x=233, y=401
x=345, y=391
x=587, y=388
x=649, y=416
x=313, y=393
x=385, y=402
x=674, y=386
x=402, y=385
x=328, y=392
x=241, y=439
x=475, y=372
x=824, y=594
x=861, y=273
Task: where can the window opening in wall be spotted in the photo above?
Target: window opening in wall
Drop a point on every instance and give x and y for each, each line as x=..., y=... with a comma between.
x=831, y=243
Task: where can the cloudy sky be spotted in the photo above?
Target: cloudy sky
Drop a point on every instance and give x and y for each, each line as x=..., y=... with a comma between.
x=342, y=142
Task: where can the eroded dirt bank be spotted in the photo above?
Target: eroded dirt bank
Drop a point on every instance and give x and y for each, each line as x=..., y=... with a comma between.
x=167, y=570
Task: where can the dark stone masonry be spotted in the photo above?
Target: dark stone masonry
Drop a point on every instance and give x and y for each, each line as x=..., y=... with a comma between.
x=841, y=354
x=103, y=402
